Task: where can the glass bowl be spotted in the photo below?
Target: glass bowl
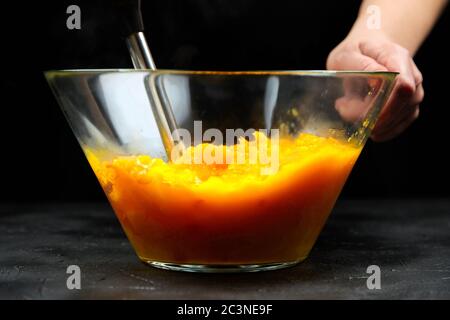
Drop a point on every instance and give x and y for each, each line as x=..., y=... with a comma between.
x=221, y=171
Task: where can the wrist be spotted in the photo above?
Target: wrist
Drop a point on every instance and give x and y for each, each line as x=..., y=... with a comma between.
x=362, y=31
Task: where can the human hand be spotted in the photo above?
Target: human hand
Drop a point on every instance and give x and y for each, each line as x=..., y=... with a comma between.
x=379, y=53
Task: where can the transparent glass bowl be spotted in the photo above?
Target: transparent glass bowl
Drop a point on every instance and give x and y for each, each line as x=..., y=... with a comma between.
x=247, y=181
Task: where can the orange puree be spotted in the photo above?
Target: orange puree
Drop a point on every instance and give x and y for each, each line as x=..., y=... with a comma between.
x=227, y=213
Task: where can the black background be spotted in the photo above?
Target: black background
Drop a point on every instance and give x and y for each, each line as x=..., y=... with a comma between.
x=41, y=160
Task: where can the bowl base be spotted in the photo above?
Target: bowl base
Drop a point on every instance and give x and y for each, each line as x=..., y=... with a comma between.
x=231, y=268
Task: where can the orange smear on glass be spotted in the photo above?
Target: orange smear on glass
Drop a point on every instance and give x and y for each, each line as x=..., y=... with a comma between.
x=227, y=213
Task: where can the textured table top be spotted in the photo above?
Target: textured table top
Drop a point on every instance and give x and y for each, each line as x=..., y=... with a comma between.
x=408, y=239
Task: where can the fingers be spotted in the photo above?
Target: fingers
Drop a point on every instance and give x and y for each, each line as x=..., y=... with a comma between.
x=418, y=96
x=387, y=135
x=402, y=108
x=396, y=118
x=390, y=126
x=354, y=104
x=351, y=109
x=417, y=74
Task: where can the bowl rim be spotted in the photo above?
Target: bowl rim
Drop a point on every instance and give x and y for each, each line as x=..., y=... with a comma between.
x=328, y=73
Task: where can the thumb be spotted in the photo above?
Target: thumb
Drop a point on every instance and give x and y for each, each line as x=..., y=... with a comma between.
x=353, y=60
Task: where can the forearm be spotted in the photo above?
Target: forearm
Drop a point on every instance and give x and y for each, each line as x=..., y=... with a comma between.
x=406, y=22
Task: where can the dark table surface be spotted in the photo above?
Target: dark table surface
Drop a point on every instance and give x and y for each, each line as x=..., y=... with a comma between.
x=408, y=239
